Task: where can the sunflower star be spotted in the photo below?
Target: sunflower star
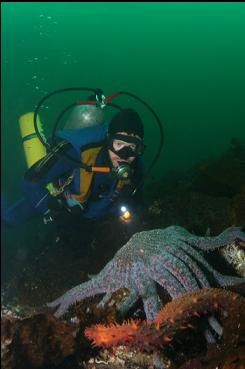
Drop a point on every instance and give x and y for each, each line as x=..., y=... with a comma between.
x=172, y=257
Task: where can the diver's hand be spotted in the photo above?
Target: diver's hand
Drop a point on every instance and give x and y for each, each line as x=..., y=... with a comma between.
x=74, y=206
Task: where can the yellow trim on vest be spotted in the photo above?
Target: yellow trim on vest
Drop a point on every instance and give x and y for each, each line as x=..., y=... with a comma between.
x=88, y=157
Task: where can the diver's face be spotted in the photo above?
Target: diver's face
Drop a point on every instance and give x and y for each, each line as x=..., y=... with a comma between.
x=118, y=145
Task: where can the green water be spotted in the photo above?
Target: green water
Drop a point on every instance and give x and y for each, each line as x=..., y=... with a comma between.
x=185, y=59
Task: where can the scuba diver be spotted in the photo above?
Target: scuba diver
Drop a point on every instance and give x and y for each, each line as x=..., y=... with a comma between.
x=91, y=168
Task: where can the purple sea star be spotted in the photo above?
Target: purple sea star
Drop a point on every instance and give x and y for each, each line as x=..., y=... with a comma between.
x=172, y=257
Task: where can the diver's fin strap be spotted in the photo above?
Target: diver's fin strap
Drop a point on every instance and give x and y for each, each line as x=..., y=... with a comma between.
x=88, y=157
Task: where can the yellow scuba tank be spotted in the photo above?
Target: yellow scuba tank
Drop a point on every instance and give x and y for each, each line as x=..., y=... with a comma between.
x=33, y=148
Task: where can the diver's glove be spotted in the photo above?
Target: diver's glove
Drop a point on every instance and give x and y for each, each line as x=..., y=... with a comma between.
x=74, y=206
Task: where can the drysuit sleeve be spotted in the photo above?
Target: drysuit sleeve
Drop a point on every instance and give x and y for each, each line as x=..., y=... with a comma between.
x=50, y=168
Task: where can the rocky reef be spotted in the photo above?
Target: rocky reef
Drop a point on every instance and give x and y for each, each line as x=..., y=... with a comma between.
x=175, y=337
x=177, y=332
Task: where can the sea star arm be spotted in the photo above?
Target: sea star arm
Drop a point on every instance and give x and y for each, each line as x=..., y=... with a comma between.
x=147, y=290
x=223, y=280
x=228, y=236
x=164, y=278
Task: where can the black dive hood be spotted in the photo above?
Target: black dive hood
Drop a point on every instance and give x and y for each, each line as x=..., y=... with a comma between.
x=101, y=102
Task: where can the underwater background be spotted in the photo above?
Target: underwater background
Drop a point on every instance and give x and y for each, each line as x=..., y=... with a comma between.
x=186, y=60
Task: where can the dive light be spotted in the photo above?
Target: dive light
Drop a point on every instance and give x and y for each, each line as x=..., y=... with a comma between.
x=126, y=216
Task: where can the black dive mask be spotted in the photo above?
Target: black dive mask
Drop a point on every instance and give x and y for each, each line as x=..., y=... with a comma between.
x=127, y=152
